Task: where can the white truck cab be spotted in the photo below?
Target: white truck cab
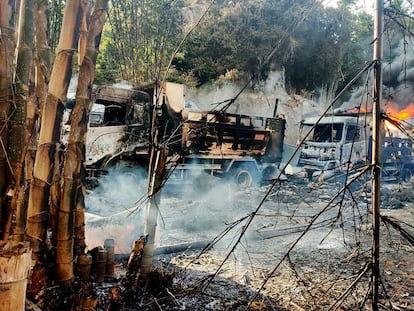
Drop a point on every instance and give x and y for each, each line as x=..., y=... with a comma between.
x=335, y=143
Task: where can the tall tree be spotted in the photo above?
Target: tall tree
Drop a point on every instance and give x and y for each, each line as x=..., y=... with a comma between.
x=75, y=155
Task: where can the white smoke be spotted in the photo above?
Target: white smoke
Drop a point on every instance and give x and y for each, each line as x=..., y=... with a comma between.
x=111, y=208
x=123, y=85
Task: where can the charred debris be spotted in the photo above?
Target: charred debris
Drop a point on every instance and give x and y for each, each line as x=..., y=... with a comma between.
x=241, y=149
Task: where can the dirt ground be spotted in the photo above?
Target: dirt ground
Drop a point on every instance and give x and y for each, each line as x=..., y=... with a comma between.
x=306, y=248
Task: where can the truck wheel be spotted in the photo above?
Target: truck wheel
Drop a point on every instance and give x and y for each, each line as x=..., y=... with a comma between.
x=243, y=178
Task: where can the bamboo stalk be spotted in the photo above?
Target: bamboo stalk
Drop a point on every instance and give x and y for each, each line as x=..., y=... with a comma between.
x=376, y=152
x=19, y=132
x=43, y=52
x=156, y=177
x=44, y=167
x=15, y=267
x=7, y=46
x=75, y=155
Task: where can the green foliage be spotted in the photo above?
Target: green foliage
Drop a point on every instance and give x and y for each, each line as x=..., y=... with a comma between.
x=107, y=68
x=140, y=39
x=324, y=39
x=358, y=51
x=317, y=46
x=238, y=36
x=55, y=21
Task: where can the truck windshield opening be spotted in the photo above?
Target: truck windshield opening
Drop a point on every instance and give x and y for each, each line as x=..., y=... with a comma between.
x=328, y=133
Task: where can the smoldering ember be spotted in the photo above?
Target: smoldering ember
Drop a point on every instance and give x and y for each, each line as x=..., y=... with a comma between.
x=189, y=185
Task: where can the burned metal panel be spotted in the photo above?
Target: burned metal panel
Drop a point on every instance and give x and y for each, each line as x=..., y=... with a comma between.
x=225, y=134
x=397, y=158
x=102, y=142
x=274, y=150
x=396, y=148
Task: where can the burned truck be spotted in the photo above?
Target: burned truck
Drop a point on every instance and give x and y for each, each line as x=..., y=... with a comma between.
x=338, y=142
x=342, y=142
x=246, y=149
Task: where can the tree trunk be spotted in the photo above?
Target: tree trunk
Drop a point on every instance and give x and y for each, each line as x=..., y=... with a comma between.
x=83, y=36
x=7, y=47
x=38, y=209
x=79, y=233
x=19, y=133
x=156, y=176
x=75, y=155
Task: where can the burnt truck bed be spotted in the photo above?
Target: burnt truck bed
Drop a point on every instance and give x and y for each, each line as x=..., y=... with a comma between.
x=120, y=134
x=245, y=148
x=225, y=134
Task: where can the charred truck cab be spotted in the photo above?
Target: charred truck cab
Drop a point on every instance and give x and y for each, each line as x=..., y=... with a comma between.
x=245, y=148
x=335, y=142
x=119, y=125
x=341, y=142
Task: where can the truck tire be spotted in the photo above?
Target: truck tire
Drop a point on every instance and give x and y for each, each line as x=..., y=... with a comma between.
x=244, y=178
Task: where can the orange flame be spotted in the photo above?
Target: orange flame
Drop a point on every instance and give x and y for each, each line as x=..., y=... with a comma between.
x=404, y=114
x=357, y=110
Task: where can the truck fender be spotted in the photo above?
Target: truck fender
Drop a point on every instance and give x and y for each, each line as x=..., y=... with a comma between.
x=111, y=159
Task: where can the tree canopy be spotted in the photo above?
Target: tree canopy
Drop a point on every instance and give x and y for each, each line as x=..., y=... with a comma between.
x=140, y=37
x=317, y=47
